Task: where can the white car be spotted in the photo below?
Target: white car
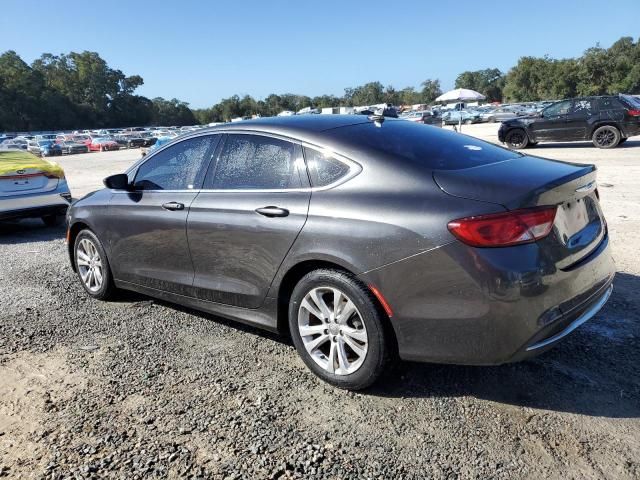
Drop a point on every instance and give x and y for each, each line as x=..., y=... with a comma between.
x=32, y=187
x=286, y=113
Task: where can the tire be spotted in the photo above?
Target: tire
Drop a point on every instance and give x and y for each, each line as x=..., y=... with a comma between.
x=106, y=289
x=468, y=122
x=517, y=139
x=52, y=220
x=347, y=369
x=606, y=136
x=492, y=119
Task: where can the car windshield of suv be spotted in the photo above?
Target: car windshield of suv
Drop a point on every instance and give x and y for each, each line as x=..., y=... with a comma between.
x=426, y=146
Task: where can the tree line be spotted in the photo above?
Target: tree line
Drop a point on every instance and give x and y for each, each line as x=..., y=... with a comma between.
x=77, y=90
x=80, y=90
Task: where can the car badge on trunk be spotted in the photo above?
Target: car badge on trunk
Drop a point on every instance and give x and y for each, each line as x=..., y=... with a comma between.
x=586, y=188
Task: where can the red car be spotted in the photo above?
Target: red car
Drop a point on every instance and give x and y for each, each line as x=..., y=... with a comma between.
x=102, y=144
x=81, y=138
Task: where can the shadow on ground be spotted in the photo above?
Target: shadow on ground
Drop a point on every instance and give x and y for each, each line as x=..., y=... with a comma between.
x=593, y=372
x=28, y=231
x=584, y=144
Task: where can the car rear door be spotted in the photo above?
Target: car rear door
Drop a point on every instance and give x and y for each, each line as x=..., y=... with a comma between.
x=581, y=114
x=552, y=124
x=246, y=218
x=148, y=224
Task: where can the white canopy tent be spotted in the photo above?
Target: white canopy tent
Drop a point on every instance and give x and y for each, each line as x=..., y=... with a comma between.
x=460, y=95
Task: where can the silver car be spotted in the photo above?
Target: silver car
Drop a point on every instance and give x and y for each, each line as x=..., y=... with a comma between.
x=501, y=114
x=32, y=187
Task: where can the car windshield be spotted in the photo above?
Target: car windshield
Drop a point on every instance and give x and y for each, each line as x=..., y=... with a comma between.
x=426, y=146
x=44, y=143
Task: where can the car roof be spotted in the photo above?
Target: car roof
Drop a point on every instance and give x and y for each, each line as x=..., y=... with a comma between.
x=294, y=124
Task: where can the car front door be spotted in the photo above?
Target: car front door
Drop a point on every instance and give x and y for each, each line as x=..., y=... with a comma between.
x=246, y=218
x=148, y=234
x=552, y=124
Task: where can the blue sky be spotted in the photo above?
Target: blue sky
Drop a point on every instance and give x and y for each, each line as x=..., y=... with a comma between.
x=202, y=51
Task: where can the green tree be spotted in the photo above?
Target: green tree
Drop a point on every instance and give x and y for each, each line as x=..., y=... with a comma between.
x=430, y=90
x=489, y=82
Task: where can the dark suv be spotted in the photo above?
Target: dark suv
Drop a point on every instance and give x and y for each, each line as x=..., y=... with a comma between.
x=605, y=120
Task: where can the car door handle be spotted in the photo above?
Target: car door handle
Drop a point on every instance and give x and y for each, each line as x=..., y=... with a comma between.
x=272, y=211
x=173, y=206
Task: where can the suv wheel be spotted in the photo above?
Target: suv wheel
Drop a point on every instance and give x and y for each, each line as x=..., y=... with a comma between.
x=337, y=328
x=606, y=137
x=517, y=139
x=92, y=266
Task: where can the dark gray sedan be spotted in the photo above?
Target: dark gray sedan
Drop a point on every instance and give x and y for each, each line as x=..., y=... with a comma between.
x=362, y=238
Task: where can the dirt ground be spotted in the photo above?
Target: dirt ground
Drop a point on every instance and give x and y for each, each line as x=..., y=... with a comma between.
x=144, y=389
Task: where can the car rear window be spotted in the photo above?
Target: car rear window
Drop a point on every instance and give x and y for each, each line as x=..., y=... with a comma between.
x=633, y=101
x=431, y=147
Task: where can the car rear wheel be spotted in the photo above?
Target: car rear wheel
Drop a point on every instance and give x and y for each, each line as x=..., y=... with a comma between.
x=606, y=136
x=492, y=119
x=92, y=266
x=468, y=122
x=337, y=328
x=517, y=139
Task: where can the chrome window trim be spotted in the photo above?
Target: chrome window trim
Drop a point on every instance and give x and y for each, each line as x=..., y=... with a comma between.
x=354, y=167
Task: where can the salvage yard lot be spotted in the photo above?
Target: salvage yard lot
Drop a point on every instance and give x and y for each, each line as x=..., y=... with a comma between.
x=144, y=387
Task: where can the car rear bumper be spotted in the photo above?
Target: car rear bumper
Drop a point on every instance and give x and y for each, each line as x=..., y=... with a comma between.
x=36, y=205
x=463, y=305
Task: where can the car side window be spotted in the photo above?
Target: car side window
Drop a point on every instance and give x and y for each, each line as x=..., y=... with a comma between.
x=178, y=167
x=256, y=162
x=582, y=107
x=560, y=108
x=605, y=104
x=324, y=169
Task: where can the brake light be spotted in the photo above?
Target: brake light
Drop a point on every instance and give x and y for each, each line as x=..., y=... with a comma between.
x=504, y=229
x=634, y=112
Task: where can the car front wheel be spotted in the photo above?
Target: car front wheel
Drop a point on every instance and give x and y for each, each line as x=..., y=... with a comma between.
x=92, y=266
x=517, y=139
x=606, y=136
x=338, y=329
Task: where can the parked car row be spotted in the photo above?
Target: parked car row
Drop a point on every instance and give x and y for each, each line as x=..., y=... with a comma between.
x=53, y=144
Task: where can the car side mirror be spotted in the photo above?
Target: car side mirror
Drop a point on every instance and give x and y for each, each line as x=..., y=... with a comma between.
x=119, y=181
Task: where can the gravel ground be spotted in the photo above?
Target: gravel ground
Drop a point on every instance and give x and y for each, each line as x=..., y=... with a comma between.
x=143, y=389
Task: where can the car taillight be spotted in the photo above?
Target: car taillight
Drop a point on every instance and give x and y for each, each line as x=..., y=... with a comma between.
x=504, y=229
x=634, y=113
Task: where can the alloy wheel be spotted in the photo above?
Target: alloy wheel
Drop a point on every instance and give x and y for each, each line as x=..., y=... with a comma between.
x=605, y=137
x=516, y=139
x=89, y=265
x=332, y=330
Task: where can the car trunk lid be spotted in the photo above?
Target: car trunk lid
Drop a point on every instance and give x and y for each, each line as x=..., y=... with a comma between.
x=526, y=182
x=24, y=173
